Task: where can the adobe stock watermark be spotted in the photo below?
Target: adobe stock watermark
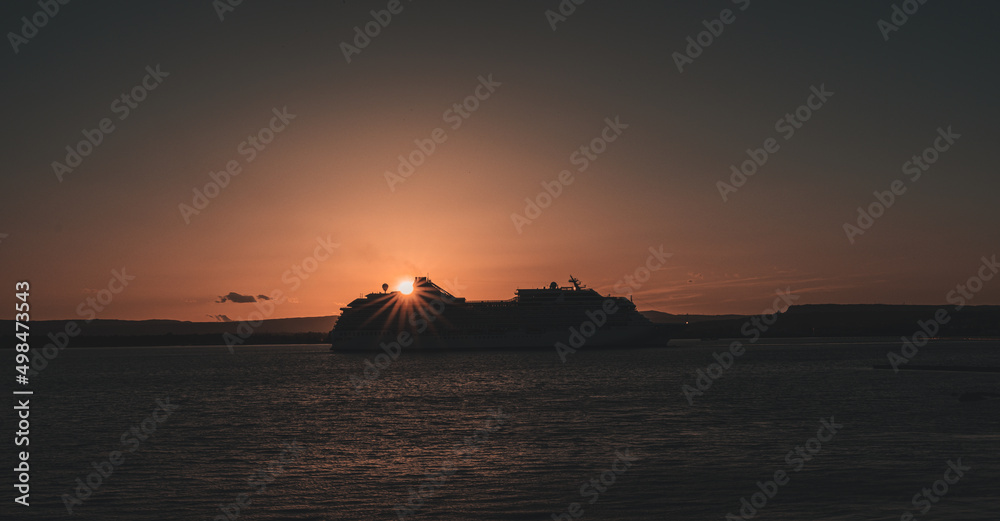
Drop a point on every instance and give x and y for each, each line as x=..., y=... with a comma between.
x=898, y=17
x=248, y=148
x=597, y=318
x=796, y=460
x=434, y=480
x=454, y=116
x=292, y=277
x=713, y=29
x=363, y=36
x=752, y=329
x=87, y=310
x=48, y=9
x=929, y=496
x=629, y=284
x=566, y=9
x=914, y=168
x=594, y=487
x=123, y=107
x=421, y=319
x=582, y=157
x=259, y=481
x=224, y=7
x=130, y=442
x=785, y=127
x=959, y=296
x=22, y=472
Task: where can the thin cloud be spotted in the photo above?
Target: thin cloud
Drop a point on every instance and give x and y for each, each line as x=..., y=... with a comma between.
x=236, y=297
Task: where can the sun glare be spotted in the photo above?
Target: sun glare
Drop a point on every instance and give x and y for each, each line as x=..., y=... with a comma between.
x=405, y=287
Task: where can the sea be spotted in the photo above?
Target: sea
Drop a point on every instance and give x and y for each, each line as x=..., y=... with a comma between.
x=791, y=429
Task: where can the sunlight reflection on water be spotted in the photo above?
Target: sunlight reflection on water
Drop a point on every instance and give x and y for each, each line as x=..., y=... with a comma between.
x=362, y=453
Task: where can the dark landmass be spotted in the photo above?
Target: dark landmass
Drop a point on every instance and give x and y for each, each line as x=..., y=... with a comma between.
x=825, y=320
x=101, y=327
x=113, y=333
x=855, y=320
x=913, y=367
x=666, y=318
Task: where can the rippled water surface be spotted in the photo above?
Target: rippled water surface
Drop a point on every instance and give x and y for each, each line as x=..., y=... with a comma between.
x=358, y=455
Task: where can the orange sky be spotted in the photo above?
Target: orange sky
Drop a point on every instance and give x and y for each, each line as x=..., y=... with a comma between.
x=323, y=175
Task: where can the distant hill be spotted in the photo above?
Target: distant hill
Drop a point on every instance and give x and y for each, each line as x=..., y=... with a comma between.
x=857, y=320
x=660, y=317
x=179, y=327
x=101, y=332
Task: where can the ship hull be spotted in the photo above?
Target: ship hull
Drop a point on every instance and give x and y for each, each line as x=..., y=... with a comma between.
x=651, y=336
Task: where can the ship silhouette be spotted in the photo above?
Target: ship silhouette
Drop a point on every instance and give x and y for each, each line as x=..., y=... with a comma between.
x=432, y=318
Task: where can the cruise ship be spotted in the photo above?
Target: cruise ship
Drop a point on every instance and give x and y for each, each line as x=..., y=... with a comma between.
x=432, y=318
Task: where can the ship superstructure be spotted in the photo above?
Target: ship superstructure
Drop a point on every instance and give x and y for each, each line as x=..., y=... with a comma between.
x=432, y=318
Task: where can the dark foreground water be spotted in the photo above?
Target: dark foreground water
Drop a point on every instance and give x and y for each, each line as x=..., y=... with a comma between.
x=283, y=426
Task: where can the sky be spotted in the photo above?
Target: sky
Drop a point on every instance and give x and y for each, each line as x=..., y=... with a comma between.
x=290, y=121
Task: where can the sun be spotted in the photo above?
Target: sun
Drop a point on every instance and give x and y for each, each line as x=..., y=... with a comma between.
x=405, y=287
